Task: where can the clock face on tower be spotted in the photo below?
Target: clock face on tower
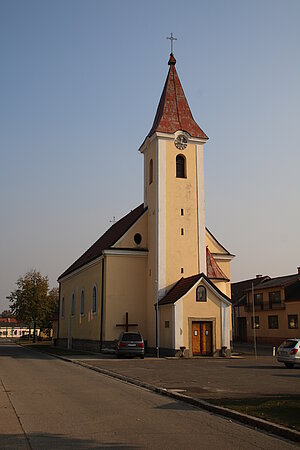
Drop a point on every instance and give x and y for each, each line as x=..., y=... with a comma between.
x=181, y=142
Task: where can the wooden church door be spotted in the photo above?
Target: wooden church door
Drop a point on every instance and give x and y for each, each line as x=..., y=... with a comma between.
x=202, y=338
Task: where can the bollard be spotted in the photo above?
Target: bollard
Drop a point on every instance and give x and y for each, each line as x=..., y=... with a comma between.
x=274, y=351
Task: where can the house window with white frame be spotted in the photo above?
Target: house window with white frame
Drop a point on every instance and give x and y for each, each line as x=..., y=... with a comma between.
x=293, y=321
x=273, y=322
x=255, y=322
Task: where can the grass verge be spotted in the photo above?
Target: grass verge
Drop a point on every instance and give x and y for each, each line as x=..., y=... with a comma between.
x=282, y=410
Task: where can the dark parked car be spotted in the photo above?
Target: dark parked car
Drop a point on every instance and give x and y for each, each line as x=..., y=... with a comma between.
x=130, y=344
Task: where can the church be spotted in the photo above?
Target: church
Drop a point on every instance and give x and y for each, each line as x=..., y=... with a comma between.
x=158, y=270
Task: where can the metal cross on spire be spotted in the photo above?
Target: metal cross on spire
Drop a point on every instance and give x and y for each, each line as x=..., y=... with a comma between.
x=172, y=39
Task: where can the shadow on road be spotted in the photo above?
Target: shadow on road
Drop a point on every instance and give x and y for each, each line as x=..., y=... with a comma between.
x=51, y=441
x=19, y=352
x=177, y=406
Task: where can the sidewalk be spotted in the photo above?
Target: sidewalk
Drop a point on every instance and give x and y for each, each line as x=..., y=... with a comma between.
x=244, y=348
x=209, y=378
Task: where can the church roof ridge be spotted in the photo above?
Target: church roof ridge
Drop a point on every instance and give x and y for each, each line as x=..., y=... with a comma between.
x=173, y=111
x=109, y=238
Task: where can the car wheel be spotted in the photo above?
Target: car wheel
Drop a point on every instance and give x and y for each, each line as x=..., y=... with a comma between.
x=289, y=365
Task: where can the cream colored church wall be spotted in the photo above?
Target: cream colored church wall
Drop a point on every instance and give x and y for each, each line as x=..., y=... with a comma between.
x=213, y=246
x=141, y=227
x=166, y=333
x=84, y=326
x=224, y=287
x=224, y=266
x=181, y=193
x=125, y=292
x=211, y=309
x=150, y=198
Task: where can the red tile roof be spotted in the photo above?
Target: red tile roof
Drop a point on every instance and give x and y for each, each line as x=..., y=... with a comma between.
x=109, y=238
x=173, y=112
x=213, y=270
x=183, y=286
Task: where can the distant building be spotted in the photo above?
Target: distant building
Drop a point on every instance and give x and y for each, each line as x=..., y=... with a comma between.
x=10, y=328
x=276, y=308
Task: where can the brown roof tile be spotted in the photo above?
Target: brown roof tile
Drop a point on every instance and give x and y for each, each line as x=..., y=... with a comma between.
x=109, y=238
x=213, y=269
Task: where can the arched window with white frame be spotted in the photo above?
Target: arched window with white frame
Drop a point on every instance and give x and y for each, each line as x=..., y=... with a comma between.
x=94, y=300
x=63, y=307
x=82, y=303
x=73, y=305
x=151, y=171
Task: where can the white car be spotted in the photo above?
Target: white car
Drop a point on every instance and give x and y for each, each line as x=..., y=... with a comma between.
x=289, y=352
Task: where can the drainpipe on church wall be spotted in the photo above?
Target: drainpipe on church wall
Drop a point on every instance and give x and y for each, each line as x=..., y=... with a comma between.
x=59, y=292
x=157, y=320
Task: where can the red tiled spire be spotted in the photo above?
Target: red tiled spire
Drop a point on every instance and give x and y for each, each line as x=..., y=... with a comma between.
x=173, y=112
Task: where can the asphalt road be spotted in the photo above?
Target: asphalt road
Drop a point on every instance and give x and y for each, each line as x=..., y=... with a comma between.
x=47, y=403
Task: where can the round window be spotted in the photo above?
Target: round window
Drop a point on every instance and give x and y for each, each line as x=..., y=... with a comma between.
x=137, y=238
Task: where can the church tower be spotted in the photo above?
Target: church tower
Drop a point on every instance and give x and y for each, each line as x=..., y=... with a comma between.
x=173, y=193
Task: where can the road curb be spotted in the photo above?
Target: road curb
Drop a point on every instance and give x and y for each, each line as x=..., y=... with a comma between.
x=252, y=421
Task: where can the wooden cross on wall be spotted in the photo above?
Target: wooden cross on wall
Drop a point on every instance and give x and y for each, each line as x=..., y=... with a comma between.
x=126, y=324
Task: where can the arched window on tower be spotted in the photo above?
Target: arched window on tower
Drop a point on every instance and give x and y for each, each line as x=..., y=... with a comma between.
x=180, y=166
x=150, y=171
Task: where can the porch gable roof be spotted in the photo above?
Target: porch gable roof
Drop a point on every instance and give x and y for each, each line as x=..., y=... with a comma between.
x=184, y=285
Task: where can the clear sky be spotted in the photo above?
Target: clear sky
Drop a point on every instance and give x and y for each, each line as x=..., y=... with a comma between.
x=80, y=82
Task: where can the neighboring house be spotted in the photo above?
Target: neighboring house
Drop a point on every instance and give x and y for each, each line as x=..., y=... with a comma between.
x=158, y=269
x=276, y=308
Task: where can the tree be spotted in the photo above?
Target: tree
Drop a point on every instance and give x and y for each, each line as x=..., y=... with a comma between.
x=52, y=308
x=30, y=301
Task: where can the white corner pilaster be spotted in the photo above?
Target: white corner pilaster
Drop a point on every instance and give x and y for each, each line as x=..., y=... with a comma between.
x=145, y=180
x=178, y=324
x=201, y=210
x=161, y=217
x=225, y=326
